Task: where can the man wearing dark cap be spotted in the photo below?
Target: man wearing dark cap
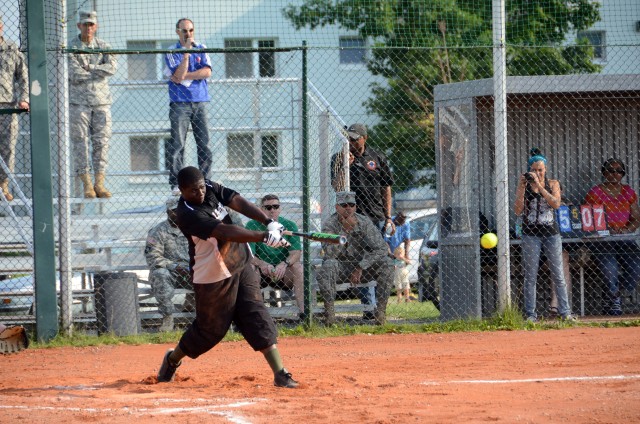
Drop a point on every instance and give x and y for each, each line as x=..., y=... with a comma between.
x=167, y=254
x=14, y=93
x=371, y=180
x=90, y=106
x=363, y=258
x=369, y=175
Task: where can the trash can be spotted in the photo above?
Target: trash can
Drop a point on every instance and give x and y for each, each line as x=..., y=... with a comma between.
x=116, y=298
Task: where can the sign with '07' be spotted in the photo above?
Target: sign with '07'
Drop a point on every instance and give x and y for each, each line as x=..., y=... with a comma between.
x=594, y=219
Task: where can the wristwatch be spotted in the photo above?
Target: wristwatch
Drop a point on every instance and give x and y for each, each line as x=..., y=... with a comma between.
x=286, y=261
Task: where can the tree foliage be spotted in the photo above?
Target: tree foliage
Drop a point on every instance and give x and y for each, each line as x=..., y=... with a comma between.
x=418, y=44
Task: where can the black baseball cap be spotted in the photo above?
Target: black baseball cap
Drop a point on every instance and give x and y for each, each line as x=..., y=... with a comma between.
x=357, y=131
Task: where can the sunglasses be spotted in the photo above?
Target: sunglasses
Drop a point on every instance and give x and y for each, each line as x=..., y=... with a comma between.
x=615, y=171
x=351, y=205
x=270, y=207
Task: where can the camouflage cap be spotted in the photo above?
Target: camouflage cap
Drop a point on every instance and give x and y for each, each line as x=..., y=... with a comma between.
x=86, y=17
x=345, y=197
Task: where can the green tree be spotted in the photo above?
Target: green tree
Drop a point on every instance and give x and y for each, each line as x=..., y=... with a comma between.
x=418, y=44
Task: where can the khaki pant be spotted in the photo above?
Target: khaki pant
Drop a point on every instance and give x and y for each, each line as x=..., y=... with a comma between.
x=90, y=123
x=8, y=139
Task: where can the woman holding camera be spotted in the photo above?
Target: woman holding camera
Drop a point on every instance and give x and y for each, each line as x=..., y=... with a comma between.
x=537, y=198
x=623, y=217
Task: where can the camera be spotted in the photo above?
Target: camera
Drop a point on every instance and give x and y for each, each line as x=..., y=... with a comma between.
x=528, y=177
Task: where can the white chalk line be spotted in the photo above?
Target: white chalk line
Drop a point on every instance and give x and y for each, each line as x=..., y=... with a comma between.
x=534, y=380
x=218, y=410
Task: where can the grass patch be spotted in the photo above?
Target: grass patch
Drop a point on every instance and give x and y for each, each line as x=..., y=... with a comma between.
x=510, y=320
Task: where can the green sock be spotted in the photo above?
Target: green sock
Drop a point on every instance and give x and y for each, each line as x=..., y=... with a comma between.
x=177, y=355
x=272, y=355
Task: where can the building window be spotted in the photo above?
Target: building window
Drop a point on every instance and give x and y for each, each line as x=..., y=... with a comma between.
x=269, y=151
x=241, y=64
x=238, y=65
x=146, y=66
x=242, y=151
x=598, y=41
x=266, y=59
x=352, y=51
x=145, y=153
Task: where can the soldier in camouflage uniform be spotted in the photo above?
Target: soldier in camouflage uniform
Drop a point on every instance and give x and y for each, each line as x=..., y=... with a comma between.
x=167, y=254
x=365, y=257
x=14, y=93
x=90, y=105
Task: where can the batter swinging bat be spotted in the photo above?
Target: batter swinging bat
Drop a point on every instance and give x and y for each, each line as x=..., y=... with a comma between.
x=322, y=237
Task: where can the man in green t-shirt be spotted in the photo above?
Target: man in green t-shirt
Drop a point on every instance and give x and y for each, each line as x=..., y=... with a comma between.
x=282, y=263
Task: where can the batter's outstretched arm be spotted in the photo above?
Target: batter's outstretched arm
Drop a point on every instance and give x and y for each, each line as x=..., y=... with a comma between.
x=235, y=233
x=248, y=209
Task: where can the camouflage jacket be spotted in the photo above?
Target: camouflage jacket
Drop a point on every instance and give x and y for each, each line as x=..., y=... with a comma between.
x=166, y=245
x=88, y=73
x=365, y=244
x=14, y=79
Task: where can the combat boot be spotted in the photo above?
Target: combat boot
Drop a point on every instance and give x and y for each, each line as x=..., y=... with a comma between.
x=329, y=313
x=100, y=190
x=380, y=317
x=5, y=190
x=167, y=324
x=89, y=193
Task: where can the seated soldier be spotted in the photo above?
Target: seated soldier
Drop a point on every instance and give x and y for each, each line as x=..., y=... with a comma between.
x=281, y=264
x=363, y=258
x=167, y=254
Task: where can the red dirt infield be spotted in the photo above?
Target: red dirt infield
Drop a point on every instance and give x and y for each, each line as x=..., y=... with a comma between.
x=572, y=375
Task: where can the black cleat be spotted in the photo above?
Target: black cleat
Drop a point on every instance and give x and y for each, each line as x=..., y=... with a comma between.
x=283, y=379
x=167, y=369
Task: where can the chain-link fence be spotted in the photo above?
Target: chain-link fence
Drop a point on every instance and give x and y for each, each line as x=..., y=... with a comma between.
x=267, y=106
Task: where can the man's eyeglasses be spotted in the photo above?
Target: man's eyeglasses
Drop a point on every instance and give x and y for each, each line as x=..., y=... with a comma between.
x=351, y=205
x=270, y=207
x=186, y=31
x=615, y=171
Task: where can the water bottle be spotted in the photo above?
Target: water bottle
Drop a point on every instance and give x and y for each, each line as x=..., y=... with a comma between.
x=519, y=226
x=388, y=229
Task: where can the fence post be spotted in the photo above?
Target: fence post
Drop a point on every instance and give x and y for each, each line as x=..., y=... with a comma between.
x=502, y=162
x=305, y=187
x=44, y=251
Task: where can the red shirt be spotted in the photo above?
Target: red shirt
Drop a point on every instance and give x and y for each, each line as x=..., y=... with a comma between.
x=617, y=208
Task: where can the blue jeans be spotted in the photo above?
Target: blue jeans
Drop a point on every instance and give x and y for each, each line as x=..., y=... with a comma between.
x=620, y=265
x=181, y=115
x=531, y=247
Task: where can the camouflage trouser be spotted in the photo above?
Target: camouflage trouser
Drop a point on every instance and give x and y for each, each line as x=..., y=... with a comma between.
x=8, y=139
x=333, y=271
x=163, y=284
x=90, y=123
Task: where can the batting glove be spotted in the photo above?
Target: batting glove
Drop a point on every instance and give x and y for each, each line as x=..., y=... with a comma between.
x=275, y=226
x=274, y=239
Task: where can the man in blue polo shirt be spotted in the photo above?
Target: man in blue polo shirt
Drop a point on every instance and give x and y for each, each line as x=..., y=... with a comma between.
x=188, y=95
